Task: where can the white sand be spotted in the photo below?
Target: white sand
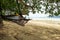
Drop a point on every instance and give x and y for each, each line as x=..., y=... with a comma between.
x=45, y=23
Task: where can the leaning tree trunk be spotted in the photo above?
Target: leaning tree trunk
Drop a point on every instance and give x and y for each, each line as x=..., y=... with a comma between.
x=19, y=11
x=22, y=21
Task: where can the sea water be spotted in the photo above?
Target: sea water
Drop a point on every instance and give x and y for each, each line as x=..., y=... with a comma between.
x=57, y=18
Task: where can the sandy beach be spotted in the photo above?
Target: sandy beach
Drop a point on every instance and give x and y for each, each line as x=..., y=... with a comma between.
x=45, y=23
x=33, y=30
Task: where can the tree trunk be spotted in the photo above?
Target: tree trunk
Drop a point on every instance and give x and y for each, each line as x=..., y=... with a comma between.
x=22, y=21
x=19, y=11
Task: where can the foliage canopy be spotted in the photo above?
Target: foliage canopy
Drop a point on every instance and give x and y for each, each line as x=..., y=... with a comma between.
x=25, y=6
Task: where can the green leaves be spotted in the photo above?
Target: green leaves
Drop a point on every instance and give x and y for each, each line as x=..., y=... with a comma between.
x=35, y=5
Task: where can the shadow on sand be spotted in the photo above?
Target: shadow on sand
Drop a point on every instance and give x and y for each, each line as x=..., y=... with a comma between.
x=19, y=20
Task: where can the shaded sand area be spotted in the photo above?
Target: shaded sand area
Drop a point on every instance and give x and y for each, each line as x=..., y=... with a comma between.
x=33, y=30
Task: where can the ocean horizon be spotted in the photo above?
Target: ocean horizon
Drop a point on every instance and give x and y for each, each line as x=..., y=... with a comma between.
x=56, y=18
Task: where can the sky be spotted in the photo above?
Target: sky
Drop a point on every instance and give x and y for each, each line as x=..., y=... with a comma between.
x=37, y=15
